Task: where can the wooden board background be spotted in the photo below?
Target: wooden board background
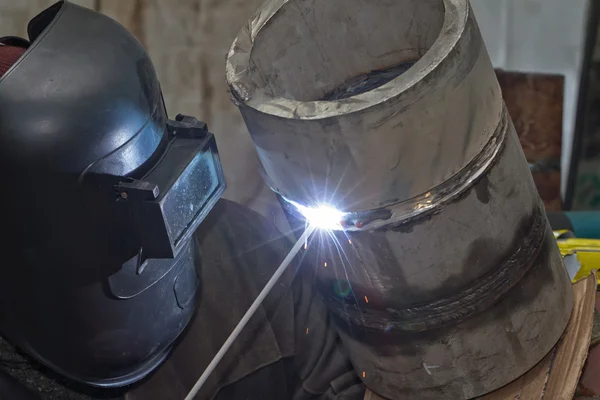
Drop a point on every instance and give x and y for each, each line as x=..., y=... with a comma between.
x=535, y=103
x=188, y=41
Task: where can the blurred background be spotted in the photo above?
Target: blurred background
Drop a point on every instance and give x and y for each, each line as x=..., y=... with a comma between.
x=547, y=53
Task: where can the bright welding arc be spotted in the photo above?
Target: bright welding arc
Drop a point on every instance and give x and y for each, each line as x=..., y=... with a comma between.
x=244, y=321
x=322, y=216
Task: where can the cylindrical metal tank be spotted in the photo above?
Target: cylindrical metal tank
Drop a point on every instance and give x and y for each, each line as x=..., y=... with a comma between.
x=445, y=280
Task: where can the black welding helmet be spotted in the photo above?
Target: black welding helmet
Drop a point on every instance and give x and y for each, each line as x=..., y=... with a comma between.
x=101, y=194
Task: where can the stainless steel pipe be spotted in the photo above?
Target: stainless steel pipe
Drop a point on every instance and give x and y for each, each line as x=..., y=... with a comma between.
x=446, y=281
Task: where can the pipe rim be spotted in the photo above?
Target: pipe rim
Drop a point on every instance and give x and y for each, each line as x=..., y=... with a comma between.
x=245, y=93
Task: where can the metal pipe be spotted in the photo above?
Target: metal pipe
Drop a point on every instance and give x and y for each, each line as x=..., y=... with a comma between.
x=445, y=280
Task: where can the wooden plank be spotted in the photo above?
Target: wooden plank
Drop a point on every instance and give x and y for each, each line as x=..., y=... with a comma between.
x=535, y=103
x=548, y=185
x=573, y=350
x=557, y=375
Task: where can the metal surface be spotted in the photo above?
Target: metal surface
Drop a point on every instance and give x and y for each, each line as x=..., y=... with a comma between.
x=363, y=148
x=476, y=290
x=446, y=281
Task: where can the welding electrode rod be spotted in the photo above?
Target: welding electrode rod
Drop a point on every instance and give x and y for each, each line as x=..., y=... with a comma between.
x=240, y=326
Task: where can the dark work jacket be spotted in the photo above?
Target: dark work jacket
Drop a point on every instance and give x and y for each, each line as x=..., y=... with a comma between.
x=289, y=349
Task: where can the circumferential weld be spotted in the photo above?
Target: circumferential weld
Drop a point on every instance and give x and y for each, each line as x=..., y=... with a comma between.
x=478, y=297
x=407, y=211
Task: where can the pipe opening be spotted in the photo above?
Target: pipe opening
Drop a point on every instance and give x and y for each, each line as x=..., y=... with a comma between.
x=328, y=50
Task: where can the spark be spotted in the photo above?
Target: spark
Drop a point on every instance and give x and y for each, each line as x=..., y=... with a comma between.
x=330, y=220
x=305, y=246
x=307, y=331
x=367, y=299
x=343, y=257
x=364, y=374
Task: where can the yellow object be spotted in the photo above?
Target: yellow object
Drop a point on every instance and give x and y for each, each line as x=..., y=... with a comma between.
x=586, y=250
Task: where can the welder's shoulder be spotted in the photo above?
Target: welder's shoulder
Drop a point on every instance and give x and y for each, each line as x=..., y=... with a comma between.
x=240, y=247
x=233, y=225
x=239, y=250
x=230, y=212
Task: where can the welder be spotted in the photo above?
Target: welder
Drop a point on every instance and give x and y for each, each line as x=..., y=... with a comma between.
x=120, y=261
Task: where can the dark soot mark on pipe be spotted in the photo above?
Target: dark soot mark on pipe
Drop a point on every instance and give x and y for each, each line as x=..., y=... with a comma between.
x=453, y=308
x=367, y=82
